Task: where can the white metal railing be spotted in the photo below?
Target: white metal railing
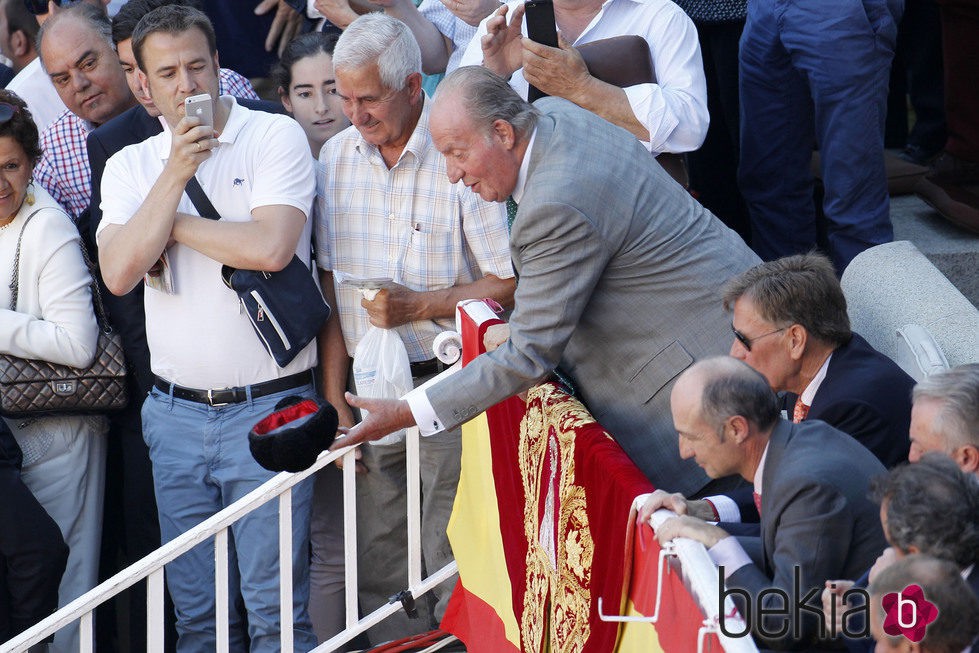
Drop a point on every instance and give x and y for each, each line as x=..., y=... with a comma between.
x=280, y=486
x=700, y=577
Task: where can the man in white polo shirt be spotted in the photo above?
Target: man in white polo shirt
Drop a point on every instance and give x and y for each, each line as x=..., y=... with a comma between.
x=214, y=380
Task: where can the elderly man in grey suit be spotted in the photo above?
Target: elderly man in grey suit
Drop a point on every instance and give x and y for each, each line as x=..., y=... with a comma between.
x=811, y=485
x=618, y=271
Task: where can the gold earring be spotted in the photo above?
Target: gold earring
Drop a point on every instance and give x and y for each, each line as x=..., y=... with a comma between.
x=30, y=194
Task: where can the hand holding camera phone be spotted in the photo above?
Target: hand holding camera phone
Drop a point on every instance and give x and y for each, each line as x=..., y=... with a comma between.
x=541, y=28
x=200, y=106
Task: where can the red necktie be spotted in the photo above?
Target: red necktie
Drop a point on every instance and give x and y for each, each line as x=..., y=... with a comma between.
x=757, y=498
x=800, y=411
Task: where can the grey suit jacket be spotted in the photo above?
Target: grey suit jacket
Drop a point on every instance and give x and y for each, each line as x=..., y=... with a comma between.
x=619, y=282
x=816, y=516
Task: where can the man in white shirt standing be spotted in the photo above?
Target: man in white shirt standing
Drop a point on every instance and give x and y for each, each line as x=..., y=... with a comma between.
x=669, y=115
x=214, y=379
x=391, y=212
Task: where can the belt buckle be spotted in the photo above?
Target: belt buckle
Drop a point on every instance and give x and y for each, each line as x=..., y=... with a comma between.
x=210, y=398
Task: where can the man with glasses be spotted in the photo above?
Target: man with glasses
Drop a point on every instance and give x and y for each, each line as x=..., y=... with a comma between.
x=790, y=323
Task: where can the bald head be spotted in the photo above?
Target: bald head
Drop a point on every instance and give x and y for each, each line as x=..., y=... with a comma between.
x=726, y=387
x=723, y=412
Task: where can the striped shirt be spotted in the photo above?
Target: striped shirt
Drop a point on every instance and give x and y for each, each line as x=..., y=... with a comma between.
x=63, y=169
x=409, y=224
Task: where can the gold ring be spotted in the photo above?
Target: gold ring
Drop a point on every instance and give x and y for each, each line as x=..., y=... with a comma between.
x=198, y=144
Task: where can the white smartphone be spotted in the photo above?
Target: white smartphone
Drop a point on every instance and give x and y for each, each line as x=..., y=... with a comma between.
x=201, y=107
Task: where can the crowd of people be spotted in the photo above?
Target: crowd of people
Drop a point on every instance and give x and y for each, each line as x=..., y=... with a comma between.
x=794, y=433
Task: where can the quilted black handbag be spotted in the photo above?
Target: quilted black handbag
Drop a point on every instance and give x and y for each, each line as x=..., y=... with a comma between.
x=36, y=388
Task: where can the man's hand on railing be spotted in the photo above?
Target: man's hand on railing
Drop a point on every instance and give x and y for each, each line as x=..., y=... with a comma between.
x=677, y=503
x=383, y=416
x=691, y=528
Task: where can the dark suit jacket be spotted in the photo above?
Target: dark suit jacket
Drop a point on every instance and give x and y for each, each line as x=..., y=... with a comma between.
x=815, y=515
x=619, y=273
x=126, y=313
x=866, y=395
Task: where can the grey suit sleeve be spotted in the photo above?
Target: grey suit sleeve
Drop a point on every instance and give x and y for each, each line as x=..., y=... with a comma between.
x=814, y=535
x=562, y=257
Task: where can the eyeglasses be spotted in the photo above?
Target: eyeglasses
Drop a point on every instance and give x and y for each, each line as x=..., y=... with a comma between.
x=746, y=341
x=7, y=111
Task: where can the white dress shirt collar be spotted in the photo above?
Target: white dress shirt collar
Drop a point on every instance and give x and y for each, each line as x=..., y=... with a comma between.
x=810, y=392
x=524, y=166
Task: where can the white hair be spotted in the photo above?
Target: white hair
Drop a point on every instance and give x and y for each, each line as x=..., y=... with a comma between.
x=383, y=41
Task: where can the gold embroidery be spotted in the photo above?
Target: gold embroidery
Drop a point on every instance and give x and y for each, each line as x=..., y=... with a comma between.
x=558, y=598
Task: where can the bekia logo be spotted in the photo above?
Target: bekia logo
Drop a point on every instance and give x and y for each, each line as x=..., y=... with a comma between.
x=773, y=613
x=908, y=613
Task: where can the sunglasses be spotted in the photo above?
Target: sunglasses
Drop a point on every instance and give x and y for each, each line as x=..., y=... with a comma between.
x=746, y=341
x=7, y=111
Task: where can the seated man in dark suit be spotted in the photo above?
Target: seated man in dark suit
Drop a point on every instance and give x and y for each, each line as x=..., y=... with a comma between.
x=929, y=507
x=790, y=324
x=956, y=625
x=810, y=483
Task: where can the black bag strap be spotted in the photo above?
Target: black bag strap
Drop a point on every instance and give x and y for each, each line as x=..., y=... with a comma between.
x=200, y=200
x=203, y=205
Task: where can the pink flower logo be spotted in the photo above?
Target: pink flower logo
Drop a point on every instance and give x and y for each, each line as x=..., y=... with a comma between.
x=908, y=613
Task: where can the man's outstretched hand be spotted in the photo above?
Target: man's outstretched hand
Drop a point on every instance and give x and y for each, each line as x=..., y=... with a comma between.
x=383, y=416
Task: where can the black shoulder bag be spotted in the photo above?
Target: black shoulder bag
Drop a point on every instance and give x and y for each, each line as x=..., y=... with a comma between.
x=286, y=308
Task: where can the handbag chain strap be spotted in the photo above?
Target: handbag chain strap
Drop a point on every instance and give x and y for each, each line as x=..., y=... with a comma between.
x=15, y=279
x=96, y=292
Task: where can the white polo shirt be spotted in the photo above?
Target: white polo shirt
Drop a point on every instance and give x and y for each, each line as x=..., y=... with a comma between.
x=198, y=337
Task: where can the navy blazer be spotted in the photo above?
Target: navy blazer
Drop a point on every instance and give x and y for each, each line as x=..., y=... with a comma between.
x=868, y=396
x=126, y=313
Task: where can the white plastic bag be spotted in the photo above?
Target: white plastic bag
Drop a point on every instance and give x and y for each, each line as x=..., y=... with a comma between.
x=382, y=370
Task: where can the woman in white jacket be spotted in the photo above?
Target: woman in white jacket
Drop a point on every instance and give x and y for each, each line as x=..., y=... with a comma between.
x=53, y=320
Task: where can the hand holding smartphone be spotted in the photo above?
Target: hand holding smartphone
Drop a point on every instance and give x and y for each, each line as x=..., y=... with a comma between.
x=541, y=28
x=200, y=106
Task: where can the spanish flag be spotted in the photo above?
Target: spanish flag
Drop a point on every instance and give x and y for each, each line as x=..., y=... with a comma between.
x=541, y=521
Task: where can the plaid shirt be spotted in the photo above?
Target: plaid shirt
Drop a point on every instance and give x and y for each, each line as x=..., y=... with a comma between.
x=63, y=168
x=408, y=223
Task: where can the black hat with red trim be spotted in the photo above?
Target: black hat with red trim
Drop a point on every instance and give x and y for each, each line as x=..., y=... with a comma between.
x=293, y=435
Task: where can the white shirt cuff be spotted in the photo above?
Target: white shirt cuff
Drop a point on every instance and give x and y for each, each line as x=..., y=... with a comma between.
x=729, y=554
x=640, y=99
x=727, y=509
x=423, y=412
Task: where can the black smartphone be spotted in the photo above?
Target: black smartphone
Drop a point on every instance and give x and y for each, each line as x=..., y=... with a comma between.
x=541, y=28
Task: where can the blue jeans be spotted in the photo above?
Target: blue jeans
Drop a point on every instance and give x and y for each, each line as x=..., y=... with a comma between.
x=202, y=464
x=816, y=73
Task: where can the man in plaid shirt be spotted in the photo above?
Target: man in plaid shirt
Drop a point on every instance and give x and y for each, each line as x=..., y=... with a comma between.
x=389, y=211
x=77, y=53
